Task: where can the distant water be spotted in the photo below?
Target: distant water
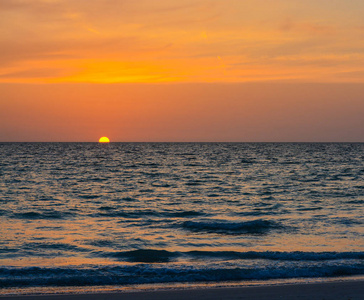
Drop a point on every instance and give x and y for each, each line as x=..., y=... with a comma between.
x=89, y=214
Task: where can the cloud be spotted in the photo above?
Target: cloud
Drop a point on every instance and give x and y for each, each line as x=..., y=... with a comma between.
x=315, y=28
x=184, y=37
x=34, y=73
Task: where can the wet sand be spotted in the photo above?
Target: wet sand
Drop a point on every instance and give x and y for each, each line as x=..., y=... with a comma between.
x=347, y=290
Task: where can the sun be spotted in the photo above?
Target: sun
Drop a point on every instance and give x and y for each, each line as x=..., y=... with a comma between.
x=104, y=139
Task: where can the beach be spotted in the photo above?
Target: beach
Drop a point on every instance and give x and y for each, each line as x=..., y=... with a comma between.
x=345, y=290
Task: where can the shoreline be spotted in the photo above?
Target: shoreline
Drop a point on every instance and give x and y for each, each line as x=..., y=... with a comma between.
x=335, y=290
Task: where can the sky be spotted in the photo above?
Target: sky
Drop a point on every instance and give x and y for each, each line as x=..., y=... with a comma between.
x=191, y=70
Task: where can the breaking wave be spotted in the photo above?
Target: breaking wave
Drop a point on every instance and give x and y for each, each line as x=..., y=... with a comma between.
x=259, y=226
x=152, y=273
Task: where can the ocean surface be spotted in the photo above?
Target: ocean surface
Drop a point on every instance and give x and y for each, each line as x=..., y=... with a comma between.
x=83, y=215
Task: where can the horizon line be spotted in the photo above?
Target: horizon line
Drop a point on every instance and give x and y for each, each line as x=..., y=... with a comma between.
x=189, y=142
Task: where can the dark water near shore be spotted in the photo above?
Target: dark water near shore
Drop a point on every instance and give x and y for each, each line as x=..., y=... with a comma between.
x=89, y=214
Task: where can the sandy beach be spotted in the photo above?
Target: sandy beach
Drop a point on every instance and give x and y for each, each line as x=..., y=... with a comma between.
x=348, y=290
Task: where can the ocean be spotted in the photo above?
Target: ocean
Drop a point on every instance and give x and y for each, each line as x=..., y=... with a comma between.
x=81, y=216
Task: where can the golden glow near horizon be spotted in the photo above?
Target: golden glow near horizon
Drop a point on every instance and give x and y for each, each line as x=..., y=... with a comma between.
x=148, y=41
x=104, y=139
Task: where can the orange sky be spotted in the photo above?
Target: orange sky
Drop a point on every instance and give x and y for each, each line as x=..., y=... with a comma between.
x=192, y=70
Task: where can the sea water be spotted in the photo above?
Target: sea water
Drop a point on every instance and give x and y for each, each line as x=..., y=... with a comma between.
x=121, y=214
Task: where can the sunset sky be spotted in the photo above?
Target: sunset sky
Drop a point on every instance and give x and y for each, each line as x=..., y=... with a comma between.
x=191, y=70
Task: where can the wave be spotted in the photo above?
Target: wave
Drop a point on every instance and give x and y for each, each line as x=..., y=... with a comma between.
x=247, y=161
x=39, y=247
x=185, y=213
x=32, y=215
x=156, y=256
x=276, y=255
x=108, y=211
x=127, y=214
x=151, y=273
x=309, y=208
x=259, y=226
x=146, y=255
x=89, y=196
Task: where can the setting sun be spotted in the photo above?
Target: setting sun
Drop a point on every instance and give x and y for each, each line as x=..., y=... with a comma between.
x=104, y=139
